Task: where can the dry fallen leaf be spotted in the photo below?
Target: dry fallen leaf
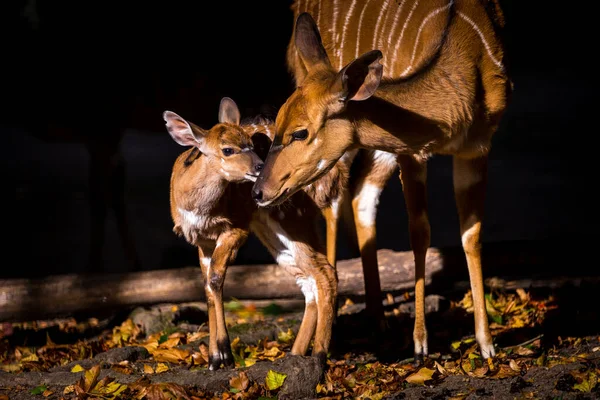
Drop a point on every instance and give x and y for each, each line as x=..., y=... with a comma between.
x=172, y=355
x=161, y=367
x=419, y=377
x=240, y=382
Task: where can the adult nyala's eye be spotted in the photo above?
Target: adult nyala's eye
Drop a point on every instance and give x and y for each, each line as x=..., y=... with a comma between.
x=300, y=135
x=227, y=151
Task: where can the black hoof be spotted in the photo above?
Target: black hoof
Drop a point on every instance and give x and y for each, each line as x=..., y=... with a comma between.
x=419, y=359
x=321, y=357
x=214, y=363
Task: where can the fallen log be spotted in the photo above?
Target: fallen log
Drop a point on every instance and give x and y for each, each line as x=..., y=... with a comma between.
x=30, y=299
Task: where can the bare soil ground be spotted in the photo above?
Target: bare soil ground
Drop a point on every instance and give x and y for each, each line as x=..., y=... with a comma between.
x=548, y=344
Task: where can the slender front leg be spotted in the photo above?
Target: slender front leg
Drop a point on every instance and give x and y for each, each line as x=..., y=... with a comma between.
x=413, y=174
x=205, y=256
x=309, y=320
x=325, y=278
x=376, y=169
x=331, y=215
x=470, y=178
x=225, y=252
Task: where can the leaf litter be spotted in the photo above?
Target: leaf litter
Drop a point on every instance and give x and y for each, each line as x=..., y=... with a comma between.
x=348, y=376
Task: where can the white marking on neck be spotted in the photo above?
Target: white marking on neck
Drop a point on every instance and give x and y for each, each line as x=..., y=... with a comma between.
x=191, y=217
x=368, y=199
x=344, y=29
x=321, y=164
x=286, y=251
x=427, y=18
x=485, y=43
x=360, y=19
x=378, y=23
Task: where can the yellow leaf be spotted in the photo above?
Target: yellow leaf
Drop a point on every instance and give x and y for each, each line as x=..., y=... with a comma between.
x=587, y=385
x=31, y=357
x=514, y=366
x=173, y=355
x=249, y=362
x=286, y=337
x=69, y=389
x=274, y=380
x=161, y=367
x=272, y=352
x=171, y=342
x=91, y=376
x=440, y=369
x=192, y=337
x=77, y=368
x=419, y=377
x=148, y=369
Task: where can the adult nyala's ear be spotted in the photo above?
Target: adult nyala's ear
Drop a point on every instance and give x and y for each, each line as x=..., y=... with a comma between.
x=183, y=132
x=360, y=78
x=307, y=40
x=229, y=111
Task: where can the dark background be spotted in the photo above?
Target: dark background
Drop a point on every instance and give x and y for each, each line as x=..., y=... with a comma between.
x=98, y=75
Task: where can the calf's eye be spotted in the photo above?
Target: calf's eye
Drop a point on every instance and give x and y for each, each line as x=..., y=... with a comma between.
x=300, y=135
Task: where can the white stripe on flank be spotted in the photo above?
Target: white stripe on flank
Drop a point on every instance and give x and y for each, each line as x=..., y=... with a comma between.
x=344, y=29
x=360, y=19
x=398, y=11
x=485, y=43
x=334, y=25
x=377, y=24
x=402, y=34
x=319, y=14
x=427, y=18
x=380, y=43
